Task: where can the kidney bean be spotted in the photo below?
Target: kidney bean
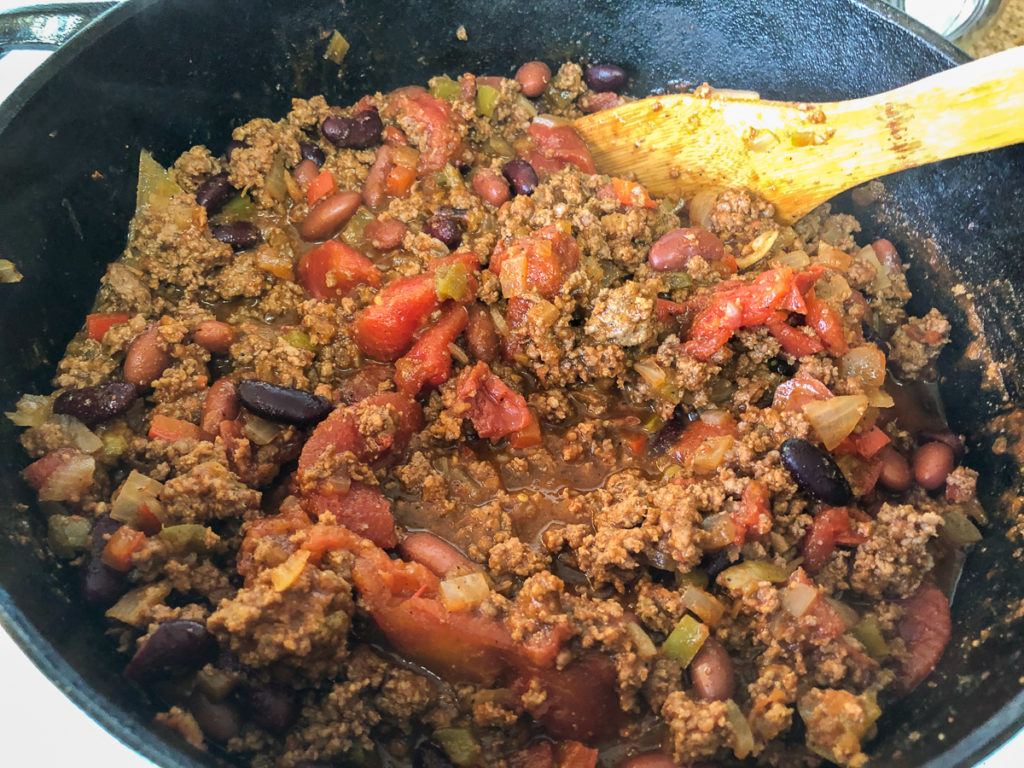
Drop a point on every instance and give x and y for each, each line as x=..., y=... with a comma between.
x=231, y=146
x=887, y=255
x=711, y=672
x=491, y=186
x=671, y=251
x=312, y=153
x=94, y=405
x=219, y=720
x=214, y=336
x=146, y=359
x=360, y=131
x=305, y=173
x=178, y=645
x=648, y=760
x=481, y=335
x=895, y=475
x=221, y=404
x=101, y=585
x=946, y=436
x=815, y=472
x=533, y=78
x=429, y=755
x=445, y=229
x=590, y=103
x=272, y=707
x=521, y=176
x=329, y=215
x=605, y=77
x=385, y=234
x=214, y=192
x=932, y=464
x=285, y=404
x=240, y=235
x=433, y=552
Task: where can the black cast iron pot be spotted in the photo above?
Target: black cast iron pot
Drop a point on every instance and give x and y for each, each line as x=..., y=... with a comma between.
x=167, y=74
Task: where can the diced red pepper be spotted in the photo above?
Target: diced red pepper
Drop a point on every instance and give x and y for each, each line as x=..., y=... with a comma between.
x=539, y=262
x=362, y=509
x=167, y=428
x=871, y=442
x=528, y=436
x=98, y=323
x=120, y=547
x=753, y=516
x=925, y=628
x=793, y=394
x=794, y=341
x=333, y=269
x=558, y=146
x=628, y=193
x=429, y=362
x=385, y=329
x=696, y=433
x=831, y=526
x=320, y=187
x=399, y=181
x=494, y=409
x=827, y=324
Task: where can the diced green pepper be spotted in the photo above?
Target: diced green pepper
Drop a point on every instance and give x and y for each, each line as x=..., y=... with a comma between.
x=449, y=177
x=451, y=281
x=653, y=424
x=458, y=744
x=337, y=47
x=68, y=535
x=187, y=537
x=870, y=636
x=486, y=98
x=274, y=183
x=238, y=208
x=555, y=99
x=499, y=147
x=677, y=281
x=443, y=87
x=738, y=577
x=156, y=187
x=353, y=232
x=300, y=339
x=685, y=640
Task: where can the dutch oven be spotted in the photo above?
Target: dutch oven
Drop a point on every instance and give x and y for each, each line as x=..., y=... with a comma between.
x=167, y=74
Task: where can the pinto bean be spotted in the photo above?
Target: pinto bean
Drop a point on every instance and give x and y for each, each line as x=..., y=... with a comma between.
x=887, y=255
x=932, y=464
x=481, y=335
x=895, y=474
x=711, y=672
x=491, y=186
x=305, y=172
x=596, y=102
x=214, y=336
x=433, y=552
x=146, y=359
x=533, y=78
x=385, y=234
x=221, y=404
x=671, y=251
x=329, y=215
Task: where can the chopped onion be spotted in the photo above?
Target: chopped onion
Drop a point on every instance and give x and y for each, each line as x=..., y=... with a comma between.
x=830, y=256
x=707, y=607
x=882, y=280
x=701, y=206
x=30, y=411
x=288, y=572
x=833, y=288
x=260, y=431
x=797, y=260
x=866, y=362
x=743, y=737
x=721, y=530
x=752, y=572
x=134, y=607
x=70, y=479
x=650, y=372
x=879, y=398
x=9, y=273
x=458, y=354
x=836, y=418
x=758, y=248
x=551, y=121
x=645, y=647
x=459, y=593
x=499, y=321
x=797, y=598
x=137, y=490
x=84, y=438
x=711, y=453
x=846, y=613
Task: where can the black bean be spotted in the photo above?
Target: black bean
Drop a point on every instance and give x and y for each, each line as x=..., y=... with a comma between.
x=272, y=707
x=606, y=77
x=713, y=563
x=815, y=472
x=429, y=755
x=874, y=337
x=781, y=366
x=94, y=405
x=231, y=146
x=100, y=584
x=179, y=645
x=219, y=720
x=312, y=152
x=240, y=235
x=360, y=131
x=520, y=175
x=214, y=192
x=286, y=404
x=667, y=436
x=445, y=229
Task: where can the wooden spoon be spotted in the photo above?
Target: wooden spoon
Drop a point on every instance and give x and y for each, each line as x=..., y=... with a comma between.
x=799, y=155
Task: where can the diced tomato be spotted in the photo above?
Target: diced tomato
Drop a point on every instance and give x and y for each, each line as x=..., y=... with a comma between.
x=831, y=526
x=539, y=262
x=528, y=436
x=120, y=547
x=494, y=408
x=322, y=186
x=572, y=754
x=628, y=193
x=925, y=628
x=362, y=509
x=665, y=310
x=794, y=342
x=802, y=283
x=98, y=323
x=558, y=146
x=580, y=703
x=827, y=324
x=340, y=431
x=753, y=516
x=429, y=122
x=364, y=382
x=543, y=647
x=385, y=329
x=166, y=428
x=871, y=442
x=333, y=269
x=793, y=394
x=696, y=433
x=429, y=362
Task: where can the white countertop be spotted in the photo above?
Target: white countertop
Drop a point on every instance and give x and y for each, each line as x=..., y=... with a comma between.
x=38, y=724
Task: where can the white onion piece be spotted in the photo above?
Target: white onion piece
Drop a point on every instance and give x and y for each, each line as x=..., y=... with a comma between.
x=797, y=598
x=645, y=647
x=260, y=431
x=743, y=737
x=136, y=490
x=650, y=372
x=30, y=411
x=71, y=479
x=460, y=593
x=83, y=438
x=551, y=121
x=834, y=419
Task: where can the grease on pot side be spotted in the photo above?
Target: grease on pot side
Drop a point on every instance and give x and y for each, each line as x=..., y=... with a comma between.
x=399, y=436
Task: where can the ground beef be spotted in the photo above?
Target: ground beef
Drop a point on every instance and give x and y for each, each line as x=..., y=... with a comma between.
x=895, y=559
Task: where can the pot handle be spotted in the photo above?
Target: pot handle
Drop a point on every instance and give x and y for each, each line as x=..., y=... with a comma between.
x=46, y=26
